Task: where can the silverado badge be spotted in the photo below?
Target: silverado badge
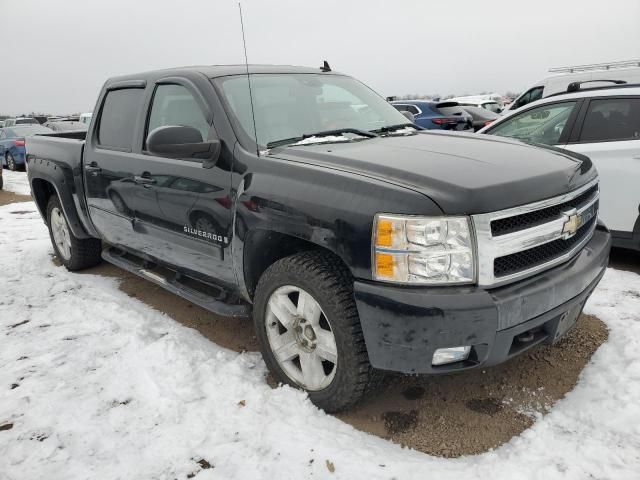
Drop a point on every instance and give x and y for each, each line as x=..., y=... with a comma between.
x=572, y=222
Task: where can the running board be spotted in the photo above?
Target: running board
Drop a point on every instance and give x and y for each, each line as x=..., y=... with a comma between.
x=175, y=283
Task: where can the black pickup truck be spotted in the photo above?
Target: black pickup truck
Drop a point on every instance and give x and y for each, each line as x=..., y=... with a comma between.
x=358, y=242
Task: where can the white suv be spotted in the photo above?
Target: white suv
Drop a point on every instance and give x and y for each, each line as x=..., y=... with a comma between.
x=602, y=123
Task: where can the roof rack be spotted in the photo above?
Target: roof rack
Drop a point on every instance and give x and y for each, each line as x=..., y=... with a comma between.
x=591, y=89
x=596, y=66
x=575, y=86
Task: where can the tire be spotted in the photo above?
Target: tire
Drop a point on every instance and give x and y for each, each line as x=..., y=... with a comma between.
x=74, y=253
x=11, y=163
x=1, y=179
x=326, y=280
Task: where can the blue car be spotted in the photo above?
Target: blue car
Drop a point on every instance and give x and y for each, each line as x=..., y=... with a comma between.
x=12, y=141
x=436, y=115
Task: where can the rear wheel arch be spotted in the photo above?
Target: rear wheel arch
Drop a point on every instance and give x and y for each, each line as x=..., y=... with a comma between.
x=42, y=190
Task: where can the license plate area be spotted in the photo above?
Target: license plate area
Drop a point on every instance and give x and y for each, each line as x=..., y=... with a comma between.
x=566, y=322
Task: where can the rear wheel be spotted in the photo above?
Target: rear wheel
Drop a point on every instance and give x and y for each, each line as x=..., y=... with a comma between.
x=309, y=330
x=74, y=253
x=11, y=163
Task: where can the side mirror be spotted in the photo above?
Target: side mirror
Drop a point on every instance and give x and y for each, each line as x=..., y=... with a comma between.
x=409, y=115
x=183, y=142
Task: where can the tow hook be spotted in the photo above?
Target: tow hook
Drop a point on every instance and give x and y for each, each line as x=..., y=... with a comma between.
x=525, y=337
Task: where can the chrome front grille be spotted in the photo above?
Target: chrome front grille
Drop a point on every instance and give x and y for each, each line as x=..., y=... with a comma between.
x=518, y=242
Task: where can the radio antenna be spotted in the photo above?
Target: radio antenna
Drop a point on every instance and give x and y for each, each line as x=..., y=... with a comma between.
x=246, y=64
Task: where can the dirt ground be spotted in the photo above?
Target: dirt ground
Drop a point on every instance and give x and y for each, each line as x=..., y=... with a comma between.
x=449, y=415
x=9, y=197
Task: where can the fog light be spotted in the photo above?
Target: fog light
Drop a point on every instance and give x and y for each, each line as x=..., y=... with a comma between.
x=450, y=355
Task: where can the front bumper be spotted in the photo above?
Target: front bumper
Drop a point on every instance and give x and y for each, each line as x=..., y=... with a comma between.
x=404, y=326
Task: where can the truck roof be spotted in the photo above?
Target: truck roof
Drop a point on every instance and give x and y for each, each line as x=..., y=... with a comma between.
x=213, y=71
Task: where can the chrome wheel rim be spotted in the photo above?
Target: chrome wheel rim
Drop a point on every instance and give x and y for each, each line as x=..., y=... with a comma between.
x=11, y=162
x=61, y=235
x=301, y=338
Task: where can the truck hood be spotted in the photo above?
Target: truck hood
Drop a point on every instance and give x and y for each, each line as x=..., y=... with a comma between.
x=462, y=173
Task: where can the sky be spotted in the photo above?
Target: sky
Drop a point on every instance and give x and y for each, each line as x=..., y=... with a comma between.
x=57, y=53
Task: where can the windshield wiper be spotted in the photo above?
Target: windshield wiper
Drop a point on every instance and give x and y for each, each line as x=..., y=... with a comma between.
x=393, y=128
x=324, y=133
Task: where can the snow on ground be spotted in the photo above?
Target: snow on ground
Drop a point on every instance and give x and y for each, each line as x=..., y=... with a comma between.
x=16, y=182
x=99, y=385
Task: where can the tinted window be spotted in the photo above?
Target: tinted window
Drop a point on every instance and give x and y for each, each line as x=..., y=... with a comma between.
x=407, y=108
x=118, y=119
x=543, y=124
x=612, y=119
x=174, y=105
x=531, y=96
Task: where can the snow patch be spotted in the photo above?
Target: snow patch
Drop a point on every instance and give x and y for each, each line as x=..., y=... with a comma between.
x=16, y=182
x=107, y=385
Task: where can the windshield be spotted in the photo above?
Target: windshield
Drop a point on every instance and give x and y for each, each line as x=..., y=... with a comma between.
x=294, y=105
x=492, y=107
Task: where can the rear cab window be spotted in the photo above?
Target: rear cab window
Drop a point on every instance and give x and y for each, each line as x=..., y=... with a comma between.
x=611, y=119
x=119, y=117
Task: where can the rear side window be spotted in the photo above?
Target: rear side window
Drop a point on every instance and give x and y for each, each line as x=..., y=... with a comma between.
x=174, y=105
x=119, y=116
x=612, y=119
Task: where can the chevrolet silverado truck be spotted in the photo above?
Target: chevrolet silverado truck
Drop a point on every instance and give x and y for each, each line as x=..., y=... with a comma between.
x=358, y=242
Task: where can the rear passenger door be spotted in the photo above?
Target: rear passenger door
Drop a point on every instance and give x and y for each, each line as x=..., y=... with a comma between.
x=608, y=131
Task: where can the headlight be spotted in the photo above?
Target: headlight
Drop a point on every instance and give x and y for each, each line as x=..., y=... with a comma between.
x=431, y=250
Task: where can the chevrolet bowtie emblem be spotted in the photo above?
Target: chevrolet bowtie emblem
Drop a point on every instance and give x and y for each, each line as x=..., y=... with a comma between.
x=572, y=222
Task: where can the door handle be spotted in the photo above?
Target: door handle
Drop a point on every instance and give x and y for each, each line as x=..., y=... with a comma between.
x=144, y=180
x=92, y=168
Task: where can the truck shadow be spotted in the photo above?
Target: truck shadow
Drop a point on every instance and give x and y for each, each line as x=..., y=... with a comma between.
x=450, y=415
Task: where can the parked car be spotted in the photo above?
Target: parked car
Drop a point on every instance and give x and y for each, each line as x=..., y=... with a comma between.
x=65, y=126
x=1, y=123
x=12, y=140
x=85, y=118
x=430, y=116
x=480, y=117
x=479, y=101
x=20, y=121
x=356, y=240
x=598, y=74
x=604, y=124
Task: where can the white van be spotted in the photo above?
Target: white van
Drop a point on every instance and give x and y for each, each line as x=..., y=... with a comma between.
x=626, y=71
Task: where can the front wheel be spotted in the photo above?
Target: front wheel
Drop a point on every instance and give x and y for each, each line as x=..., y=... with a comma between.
x=74, y=253
x=309, y=330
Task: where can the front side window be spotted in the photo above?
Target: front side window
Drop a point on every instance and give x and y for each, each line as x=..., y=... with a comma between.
x=544, y=124
x=174, y=105
x=612, y=119
x=120, y=112
x=292, y=105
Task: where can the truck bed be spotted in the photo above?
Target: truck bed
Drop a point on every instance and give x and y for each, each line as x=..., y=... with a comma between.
x=65, y=147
